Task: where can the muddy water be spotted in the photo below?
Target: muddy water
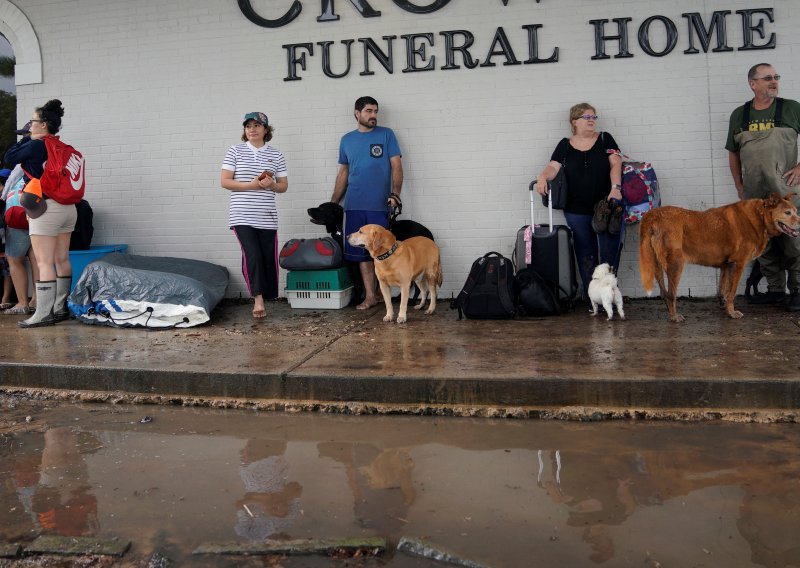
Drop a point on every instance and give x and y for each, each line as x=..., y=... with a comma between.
x=499, y=493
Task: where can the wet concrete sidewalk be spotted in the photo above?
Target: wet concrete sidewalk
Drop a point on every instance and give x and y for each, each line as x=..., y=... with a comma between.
x=353, y=361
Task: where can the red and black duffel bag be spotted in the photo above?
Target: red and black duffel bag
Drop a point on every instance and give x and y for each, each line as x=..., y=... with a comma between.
x=311, y=254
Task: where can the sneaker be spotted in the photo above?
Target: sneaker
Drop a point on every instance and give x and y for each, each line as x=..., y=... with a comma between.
x=602, y=213
x=794, y=303
x=768, y=298
x=616, y=219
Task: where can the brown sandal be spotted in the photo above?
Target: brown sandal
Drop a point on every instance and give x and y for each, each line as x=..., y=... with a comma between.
x=617, y=219
x=602, y=213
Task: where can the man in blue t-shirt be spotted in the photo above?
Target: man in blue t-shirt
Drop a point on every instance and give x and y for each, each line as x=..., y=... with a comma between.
x=370, y=178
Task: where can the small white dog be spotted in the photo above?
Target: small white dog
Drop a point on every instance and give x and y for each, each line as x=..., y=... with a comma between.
x=603, y=291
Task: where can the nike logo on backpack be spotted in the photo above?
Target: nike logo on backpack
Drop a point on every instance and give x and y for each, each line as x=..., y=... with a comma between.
x=75, y=166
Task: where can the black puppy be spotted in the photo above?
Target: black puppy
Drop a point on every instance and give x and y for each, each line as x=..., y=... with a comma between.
x=331, y=215
x=751, y=284
x=406, y=229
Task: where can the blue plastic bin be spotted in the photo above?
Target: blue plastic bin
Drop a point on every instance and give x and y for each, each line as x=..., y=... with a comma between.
x=80, y=258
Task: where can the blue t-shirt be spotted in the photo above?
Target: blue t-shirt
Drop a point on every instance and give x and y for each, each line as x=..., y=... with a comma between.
x=367, y=155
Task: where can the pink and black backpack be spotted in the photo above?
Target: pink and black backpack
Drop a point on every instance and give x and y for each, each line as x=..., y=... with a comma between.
x=639, y=189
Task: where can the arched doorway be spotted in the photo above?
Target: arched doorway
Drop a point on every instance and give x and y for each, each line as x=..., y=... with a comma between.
x=6, y=83
x=8, y=99
x=17, y=29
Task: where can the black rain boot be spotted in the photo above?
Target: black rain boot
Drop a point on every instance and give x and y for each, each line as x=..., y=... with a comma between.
x=793, y=305
x=45, y=298
x=769, y=297
x=60, y=311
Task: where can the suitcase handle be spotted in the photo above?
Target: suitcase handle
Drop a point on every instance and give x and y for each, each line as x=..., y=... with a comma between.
x=532, y=188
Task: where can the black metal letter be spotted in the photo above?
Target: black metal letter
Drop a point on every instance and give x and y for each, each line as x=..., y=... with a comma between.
x=294, y=60
x=644, y=36
x=718, y=24
x=412, y=52
x=505, y=49
x=450, y=49
x=600, y=39
x=250, y=14
x=695, y=23
x=533, y=46
x=748, y=28
x=326, y=58
x=384, y=59
x=414, y=9
x=328, y=14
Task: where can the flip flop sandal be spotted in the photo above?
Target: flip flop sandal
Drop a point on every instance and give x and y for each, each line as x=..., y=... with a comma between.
x=6, y=305
x=12, y=311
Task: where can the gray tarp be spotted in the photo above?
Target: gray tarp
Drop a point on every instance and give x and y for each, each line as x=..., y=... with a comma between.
x=146, y=291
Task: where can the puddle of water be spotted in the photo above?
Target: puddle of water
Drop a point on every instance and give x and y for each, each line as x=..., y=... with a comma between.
x=501, y=493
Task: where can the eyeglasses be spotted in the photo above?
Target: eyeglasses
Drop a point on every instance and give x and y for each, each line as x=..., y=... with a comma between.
x=769, y=78
x=37, y=120
x=589, y=116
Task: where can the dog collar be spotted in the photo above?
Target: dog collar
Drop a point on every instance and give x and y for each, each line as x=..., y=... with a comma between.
x=388, y=253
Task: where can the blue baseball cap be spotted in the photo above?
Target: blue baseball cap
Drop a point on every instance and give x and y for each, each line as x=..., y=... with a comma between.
x=259, y=117
x=5, y=172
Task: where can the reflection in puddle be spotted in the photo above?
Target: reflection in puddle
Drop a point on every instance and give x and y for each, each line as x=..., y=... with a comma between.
x=499, y=493
x=270, y=503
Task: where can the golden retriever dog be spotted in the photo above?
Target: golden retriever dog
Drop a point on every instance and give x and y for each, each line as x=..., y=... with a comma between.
x=399, y=263
x=726, y=237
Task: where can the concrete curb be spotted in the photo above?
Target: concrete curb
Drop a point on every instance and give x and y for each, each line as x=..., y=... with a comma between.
x=567, y=413
x=344, y=359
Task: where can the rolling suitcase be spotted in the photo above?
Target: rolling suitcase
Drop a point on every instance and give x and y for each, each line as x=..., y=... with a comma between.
x=552, y=255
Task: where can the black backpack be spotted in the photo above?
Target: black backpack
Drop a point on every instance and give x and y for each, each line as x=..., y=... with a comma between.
x=489, y=290
x=81, y=238
x=535, y=295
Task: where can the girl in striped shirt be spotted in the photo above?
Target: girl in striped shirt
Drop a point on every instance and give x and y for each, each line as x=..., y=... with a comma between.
x=254, y=172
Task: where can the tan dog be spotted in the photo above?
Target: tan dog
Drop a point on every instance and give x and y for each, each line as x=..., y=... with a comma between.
x=398, y=263
x=726, y=237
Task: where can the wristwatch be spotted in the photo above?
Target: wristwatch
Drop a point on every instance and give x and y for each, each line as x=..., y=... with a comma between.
x=616, y=186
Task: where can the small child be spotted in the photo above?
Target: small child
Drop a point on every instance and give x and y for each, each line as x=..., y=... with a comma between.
x=8, y=286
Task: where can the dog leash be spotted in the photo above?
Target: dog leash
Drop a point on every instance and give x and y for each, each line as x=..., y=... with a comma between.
x=395, y=211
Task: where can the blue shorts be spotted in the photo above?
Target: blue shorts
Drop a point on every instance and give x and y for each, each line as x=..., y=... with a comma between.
x=18, y=242
x=353, y=221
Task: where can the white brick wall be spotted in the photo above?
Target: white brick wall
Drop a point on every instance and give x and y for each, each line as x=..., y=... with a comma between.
x=154, y=94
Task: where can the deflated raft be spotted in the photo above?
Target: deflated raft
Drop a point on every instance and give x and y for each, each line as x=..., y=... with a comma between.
x=125, y=290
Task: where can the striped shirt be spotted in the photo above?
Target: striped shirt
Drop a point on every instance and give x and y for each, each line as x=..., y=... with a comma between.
x=255, y=208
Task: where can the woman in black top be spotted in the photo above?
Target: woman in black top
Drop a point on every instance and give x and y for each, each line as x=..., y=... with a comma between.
x=593, y=170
